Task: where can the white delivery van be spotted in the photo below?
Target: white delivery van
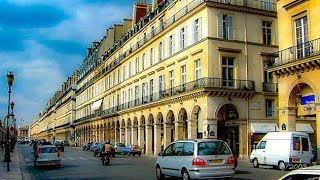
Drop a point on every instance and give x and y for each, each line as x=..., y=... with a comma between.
x=283, y=150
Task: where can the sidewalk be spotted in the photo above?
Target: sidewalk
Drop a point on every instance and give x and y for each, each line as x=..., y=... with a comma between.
x=15, y=168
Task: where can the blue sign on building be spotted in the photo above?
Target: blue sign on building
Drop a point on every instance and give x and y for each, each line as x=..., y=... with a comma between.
x=307, y=99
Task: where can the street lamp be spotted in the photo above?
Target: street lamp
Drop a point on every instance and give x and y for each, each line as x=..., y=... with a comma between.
x=10, y=79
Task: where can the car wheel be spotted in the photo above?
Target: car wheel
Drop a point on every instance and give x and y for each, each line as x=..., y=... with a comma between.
x=185, y=175
x=159, y=174
x=255, y=163
x=281, y=166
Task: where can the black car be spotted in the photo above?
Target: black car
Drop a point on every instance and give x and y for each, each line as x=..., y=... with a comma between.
x=60, y=145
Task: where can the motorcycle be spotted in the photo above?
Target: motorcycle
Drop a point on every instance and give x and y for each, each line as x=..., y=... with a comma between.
x=105, y=159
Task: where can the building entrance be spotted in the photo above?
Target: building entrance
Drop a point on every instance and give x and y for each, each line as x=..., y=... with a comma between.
x=228, y=128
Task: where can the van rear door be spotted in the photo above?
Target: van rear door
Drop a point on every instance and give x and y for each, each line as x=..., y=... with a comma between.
x=305, y=150
x=301, y=150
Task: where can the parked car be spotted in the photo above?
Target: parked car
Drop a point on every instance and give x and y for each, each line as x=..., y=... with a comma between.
x=132, y=149
x=47, y=155
x=93, y=146
x=86, y=146
x=196, y=159
x=282, y=149
x=118, y=147
x=60, y=145
x=312, y=172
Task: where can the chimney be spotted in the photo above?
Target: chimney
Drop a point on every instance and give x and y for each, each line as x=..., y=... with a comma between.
x=95, y=44
x=155, y=3
x=140, y=9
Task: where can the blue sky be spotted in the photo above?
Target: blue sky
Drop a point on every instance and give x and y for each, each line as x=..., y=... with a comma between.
x=44, y=41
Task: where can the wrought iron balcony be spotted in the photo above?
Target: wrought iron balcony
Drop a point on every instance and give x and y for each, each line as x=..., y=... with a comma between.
x=295, y=53
x=268, y=5
x=206, y=83
x=270, y=87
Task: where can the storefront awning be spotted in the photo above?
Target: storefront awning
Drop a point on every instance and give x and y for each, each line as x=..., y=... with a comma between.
x=264, y=127
x=304, y=128
x=96, y=105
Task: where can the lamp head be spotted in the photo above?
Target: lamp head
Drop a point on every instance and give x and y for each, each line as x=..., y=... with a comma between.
x=10, y=79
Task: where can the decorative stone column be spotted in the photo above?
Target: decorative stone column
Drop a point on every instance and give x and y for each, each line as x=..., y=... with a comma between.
x=157, y=139
x=134, y=137
x=178, y=130
x=141, y=139
x=192, y=129
x=128, y=135
x=122, y=135
x=149, y=139
x=167, y=134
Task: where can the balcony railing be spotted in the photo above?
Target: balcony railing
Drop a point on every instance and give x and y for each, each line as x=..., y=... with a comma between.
x=268, y=5
x=270, y=87
x=215, y=83
x=295, y=53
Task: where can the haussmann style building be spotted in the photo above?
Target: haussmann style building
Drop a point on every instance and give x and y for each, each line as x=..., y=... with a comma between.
x=175, y=70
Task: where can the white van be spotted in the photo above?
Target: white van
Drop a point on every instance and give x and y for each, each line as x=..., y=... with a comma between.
x=283, y=150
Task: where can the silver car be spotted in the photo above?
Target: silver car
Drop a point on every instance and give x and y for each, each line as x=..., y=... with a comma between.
x=118, y=147
x=196, y=159
x=47, y=155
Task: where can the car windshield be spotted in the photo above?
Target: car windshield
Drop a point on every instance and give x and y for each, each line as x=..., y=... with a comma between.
x=213, y=148
x=48, y=150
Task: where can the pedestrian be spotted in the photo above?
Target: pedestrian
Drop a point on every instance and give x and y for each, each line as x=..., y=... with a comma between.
x=35, y=146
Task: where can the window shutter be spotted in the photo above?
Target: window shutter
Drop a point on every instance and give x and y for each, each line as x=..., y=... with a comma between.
x=220, y=26
x=230, y=28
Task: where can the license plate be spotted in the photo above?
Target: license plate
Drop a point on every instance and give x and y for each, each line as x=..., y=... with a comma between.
x=296, y=160
x=215, y=161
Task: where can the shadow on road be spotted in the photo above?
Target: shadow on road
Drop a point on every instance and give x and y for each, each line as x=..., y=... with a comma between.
x=242, y=172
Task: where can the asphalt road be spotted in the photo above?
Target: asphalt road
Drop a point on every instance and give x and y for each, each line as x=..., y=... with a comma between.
x=78, y=164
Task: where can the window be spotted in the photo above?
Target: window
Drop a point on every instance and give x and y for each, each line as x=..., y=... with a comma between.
x=262, y=145
x=151, y=56
x=296, y=143
x=124, y=72
x=266, y=5
x=161, y=85
x=225, y=29
x=168, y=151
x=144, y=37
x=160, y=51
x=269, y=108
x=268, y=77
x=119, y=75
x=152, y=31
x=226, y=1
x=183, y=77
x=305, y=144
x=266, y=30
x=171, y=84
x=137, y=66
x=172, y=17
x=188, y=149
x=213, y=148
x=170, y=45
x=182, y=41
x=227, y=72
x=143, y=61
x=196, y=30
x=129, y=69
x=151, y=89
x=161, y=25
x=129, y=97
x=114, y=79
x=302, y=37
x=197, y=65
x=136, y=94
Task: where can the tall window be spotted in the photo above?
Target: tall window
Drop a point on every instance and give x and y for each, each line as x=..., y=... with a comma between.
x=129, y=69
x=268, y=78
x=227, y=71
x=151, y=90
x=161, y=25
x=160, y=51
x=183, y=77
x=302, y=37
x=151, y=56
x=225, y=29
x=196, y=30
x=171, y=84
x=266, y=30
x=129, y=97
x=143, y=61
x=114, y=79
x=197, y=65
x=119, y=75
x=136, y=94
x=172, y=18
x=152, y=31
x=161, y=85
x=266, y=5
x=170, y=45
x=137, y=66
x=124, y=72
x=144, y=37
x=269, y=107
x=182, y=34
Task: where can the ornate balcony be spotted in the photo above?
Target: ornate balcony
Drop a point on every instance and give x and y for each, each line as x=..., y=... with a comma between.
x=270, y=87
x=214, y=87
x=296, y=59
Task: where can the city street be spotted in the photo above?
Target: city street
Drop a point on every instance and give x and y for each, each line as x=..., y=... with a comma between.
x=78, y=164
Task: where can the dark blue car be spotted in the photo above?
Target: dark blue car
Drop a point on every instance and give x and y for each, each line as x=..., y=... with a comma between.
x=132, y=149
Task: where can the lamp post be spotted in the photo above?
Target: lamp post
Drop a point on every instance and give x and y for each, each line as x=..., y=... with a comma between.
x=10, y=78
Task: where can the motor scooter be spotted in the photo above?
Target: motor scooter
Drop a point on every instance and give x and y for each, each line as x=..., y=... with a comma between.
x=105, y=158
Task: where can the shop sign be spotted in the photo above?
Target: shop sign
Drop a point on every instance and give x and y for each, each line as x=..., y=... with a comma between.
x=307, y=99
